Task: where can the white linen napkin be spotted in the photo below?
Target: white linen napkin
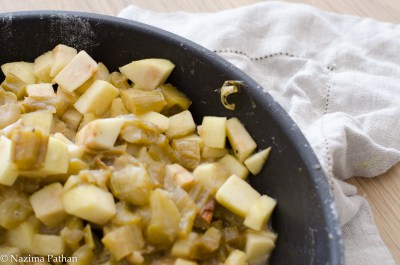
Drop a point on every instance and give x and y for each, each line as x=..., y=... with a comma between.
x=337, y=76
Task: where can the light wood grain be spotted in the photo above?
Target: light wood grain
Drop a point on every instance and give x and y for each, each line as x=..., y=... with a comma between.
x=382, y=192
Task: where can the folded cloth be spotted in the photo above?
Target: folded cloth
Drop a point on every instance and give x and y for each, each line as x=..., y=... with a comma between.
x=337, y=76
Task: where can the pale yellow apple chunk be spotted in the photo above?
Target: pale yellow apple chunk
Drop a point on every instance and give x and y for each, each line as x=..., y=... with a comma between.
x=74, y=150
x=22, y=70
x=40, y=90
x=90, y=203
x=76, y=72
x=178, y=176
x=234, y=166
x=260, y=213
x=118, y=108
x=213, y=153
x=211, y=175
x=184, y=262
x=237, y=196
x=72, y=118
x=8, y=172
x=97, y=98
x=56, y=161
x=213, y=131
x=45, y=245
x=236, y=257
x=256, y=162
x=22, y=236
x=47, y=204
x=180, y=124
x=148, y=74
x=242, y=143
x=259, y=246
x=100, y=134
x=161, y=121
x=42, y=67
x=62, y=55
x=42, y=120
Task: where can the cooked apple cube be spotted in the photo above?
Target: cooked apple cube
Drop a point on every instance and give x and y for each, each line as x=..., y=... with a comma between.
x=15, y=85
x=180, y=124
x=161, y=121
x=259, y=246
x=72, y=118
x=22, y=236
x=176, y=100
x=260, y=212
x=213, y=131
x=140, y=101
x=55, y=162
x=40, y=90
x=213, y=153
x=90, y=203
x=76, y=72
x=62, y=55
x=101, y=74
x=42, y=67
x=74, y=150
x=256, y=162
x=100, y=134
x=22, y=70
x=211, y=175
x=244, y=199
x=8, y=172
x=123, y=241
x=68, y=97
x=184, y=262
x=178, y=176
x=47, y=204
x=234, y=166
x=148, y=74
x=97, y=99
x=242, y=143
x=42, y=120
x=45, y=245
x=236, y=257
x=118, y=108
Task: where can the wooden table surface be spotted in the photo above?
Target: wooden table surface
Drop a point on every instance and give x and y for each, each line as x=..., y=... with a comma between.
x=383, y=192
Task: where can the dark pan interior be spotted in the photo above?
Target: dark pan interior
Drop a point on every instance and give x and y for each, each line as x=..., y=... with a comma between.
x=305, y=218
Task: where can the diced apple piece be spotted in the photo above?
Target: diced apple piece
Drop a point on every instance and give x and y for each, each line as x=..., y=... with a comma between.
x=256, y=162
x=259, y=245
x=42, y=120
x=118, y=108
x=74, y=150
x=176, y=100
x=180, y=124
x=244, y=196
x=40, y=90
x=100, y=134
x=42, y=67
x=8, y=172
x=193, y=137
x=101, y=74
x=233, y=165
x=184, y=262
x=68, y=97
x=213, y=131
x=123, y=241
x=56, y=161
x=242, y=143
x=76, y=72
x=62, y=55
x=22, y=236
x=236, y=257
x=72, y=118
x=140, y=101
x=178, y=176
x=148, y=74
x=161, y=121
x=90, y=203
x=97, y=99
x=213, y=153
x=260, y=212
x=22, y=70
x=47, y=204
x=211, y=175
x=45, y=245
